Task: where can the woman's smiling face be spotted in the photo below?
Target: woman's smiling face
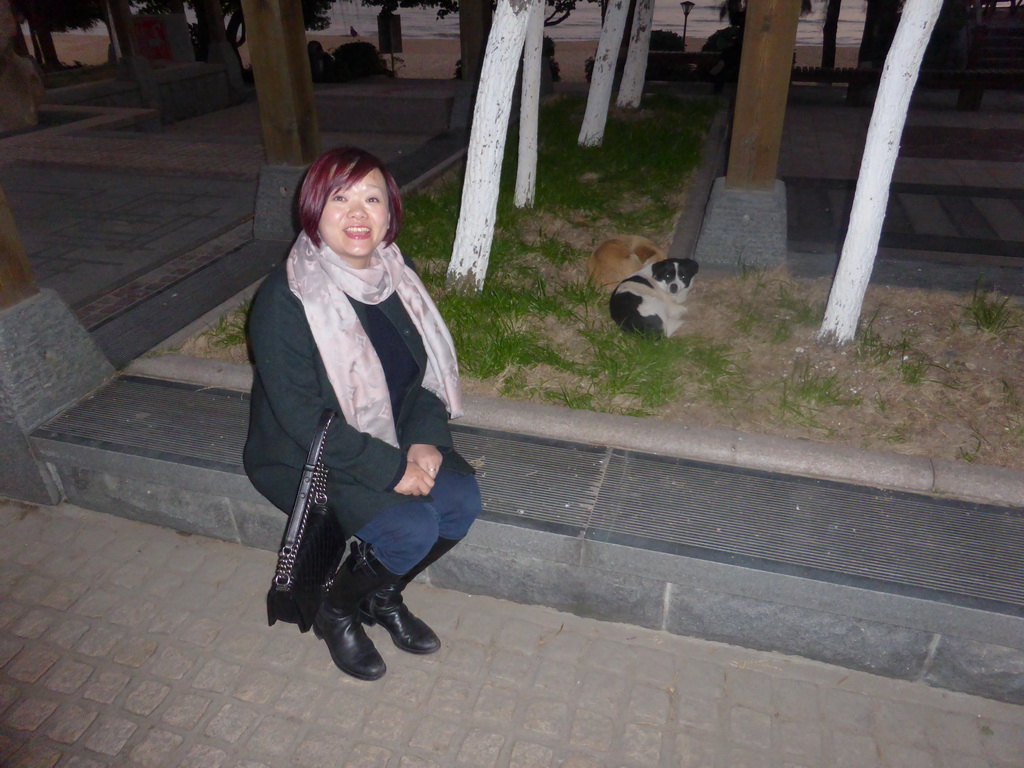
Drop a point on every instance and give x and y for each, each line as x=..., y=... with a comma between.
x=355, y=220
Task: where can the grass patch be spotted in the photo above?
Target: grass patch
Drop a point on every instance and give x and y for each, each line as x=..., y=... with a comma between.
x=712, y=367
x=806, y=392
x=989, y=312
x=535, y=289
x=230, y=329
x=910, y=362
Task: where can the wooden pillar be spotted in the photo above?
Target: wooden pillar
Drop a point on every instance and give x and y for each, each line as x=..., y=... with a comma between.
x=214, y=21
x=16, y=281
x=218, y=49
x=121, y=21
x=284, y=86
x=769, y=38
x=474, y=27
x=20, y=46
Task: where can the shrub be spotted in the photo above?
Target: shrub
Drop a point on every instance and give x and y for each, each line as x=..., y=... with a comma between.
x=667, y=40
x=358, y=60
x=547, y=50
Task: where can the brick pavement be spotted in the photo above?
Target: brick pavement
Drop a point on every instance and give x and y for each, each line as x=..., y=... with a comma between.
x=826, y=140
x=113, y=303
x=88, y=231
x=111, y=218
x=123, y=644
x=137, y=152
x=957, y=196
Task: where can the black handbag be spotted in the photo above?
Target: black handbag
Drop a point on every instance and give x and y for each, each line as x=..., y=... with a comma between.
x=313, y=543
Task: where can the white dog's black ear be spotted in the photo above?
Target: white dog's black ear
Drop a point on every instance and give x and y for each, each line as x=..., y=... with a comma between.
x=688, y=268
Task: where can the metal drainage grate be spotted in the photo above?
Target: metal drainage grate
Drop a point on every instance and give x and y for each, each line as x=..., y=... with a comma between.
x=159, y=419
x=538, y=482
x=728, y=513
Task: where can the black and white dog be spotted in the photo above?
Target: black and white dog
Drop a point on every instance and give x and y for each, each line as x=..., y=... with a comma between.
x=651, y=300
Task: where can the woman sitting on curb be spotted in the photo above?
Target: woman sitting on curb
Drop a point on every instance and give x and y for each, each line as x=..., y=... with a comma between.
x=346, y=324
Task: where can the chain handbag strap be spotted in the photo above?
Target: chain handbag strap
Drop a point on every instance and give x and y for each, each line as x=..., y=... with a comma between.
x=315, y=475
x=319, y=489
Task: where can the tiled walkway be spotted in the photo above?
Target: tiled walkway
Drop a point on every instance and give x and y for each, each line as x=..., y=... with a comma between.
x=957, y=194
x=86, y=232
x=112, y=218
x=123, y=644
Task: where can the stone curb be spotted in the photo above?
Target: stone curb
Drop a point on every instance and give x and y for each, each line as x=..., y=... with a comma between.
x=916, y=474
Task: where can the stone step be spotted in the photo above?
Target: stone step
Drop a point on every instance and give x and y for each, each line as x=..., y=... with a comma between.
x=899, y=584
x=349, y=108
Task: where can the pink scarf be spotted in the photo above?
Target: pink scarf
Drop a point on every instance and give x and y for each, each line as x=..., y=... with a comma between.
x=322, y=281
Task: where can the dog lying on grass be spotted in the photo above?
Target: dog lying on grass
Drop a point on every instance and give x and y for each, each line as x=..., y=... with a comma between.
x=652, y=299
x=619, y=257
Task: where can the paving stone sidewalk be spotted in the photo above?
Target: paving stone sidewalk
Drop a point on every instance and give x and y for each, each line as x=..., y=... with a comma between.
x=123, y=644
x=955, y=214
x=111, y=218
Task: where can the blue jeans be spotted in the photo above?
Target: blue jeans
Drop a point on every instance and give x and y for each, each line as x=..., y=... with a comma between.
x=402, y=535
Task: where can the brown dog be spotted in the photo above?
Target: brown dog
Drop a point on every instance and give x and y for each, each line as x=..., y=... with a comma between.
x=619, y=257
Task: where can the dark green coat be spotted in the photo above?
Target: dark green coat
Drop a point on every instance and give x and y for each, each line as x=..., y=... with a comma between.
x=291, y=389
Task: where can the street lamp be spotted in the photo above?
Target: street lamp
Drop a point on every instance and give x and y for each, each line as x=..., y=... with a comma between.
x=687, y=7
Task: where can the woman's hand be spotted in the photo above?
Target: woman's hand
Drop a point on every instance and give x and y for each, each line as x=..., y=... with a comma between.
x=415, y=481
x=424, y=462
x=426, y=457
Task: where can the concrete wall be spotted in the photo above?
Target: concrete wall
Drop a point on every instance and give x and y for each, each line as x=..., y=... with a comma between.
x=184, y=91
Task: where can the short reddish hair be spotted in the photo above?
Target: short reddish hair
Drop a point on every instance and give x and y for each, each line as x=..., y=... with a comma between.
x=340, y=168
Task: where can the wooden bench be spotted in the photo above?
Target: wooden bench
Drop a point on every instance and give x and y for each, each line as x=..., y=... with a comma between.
x=971, y=83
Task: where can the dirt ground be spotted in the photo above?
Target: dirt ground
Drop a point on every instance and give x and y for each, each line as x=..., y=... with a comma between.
x=920, y=379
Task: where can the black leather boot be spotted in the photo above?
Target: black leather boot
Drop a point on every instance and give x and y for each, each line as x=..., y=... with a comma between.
x=387, y=608
x=339, y=620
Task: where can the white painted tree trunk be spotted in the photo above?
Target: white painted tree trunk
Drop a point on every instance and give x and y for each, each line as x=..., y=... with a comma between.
x=475, y=232
x=632, y=88
x=529, y=108
x=602, y=79
x=881, y=148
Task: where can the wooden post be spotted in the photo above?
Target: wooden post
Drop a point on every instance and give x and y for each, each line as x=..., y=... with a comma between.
x=16, y=282
x=121, y=21
x=769, y=37
x=474, y=26
x=214, y=21
x=284, y=85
